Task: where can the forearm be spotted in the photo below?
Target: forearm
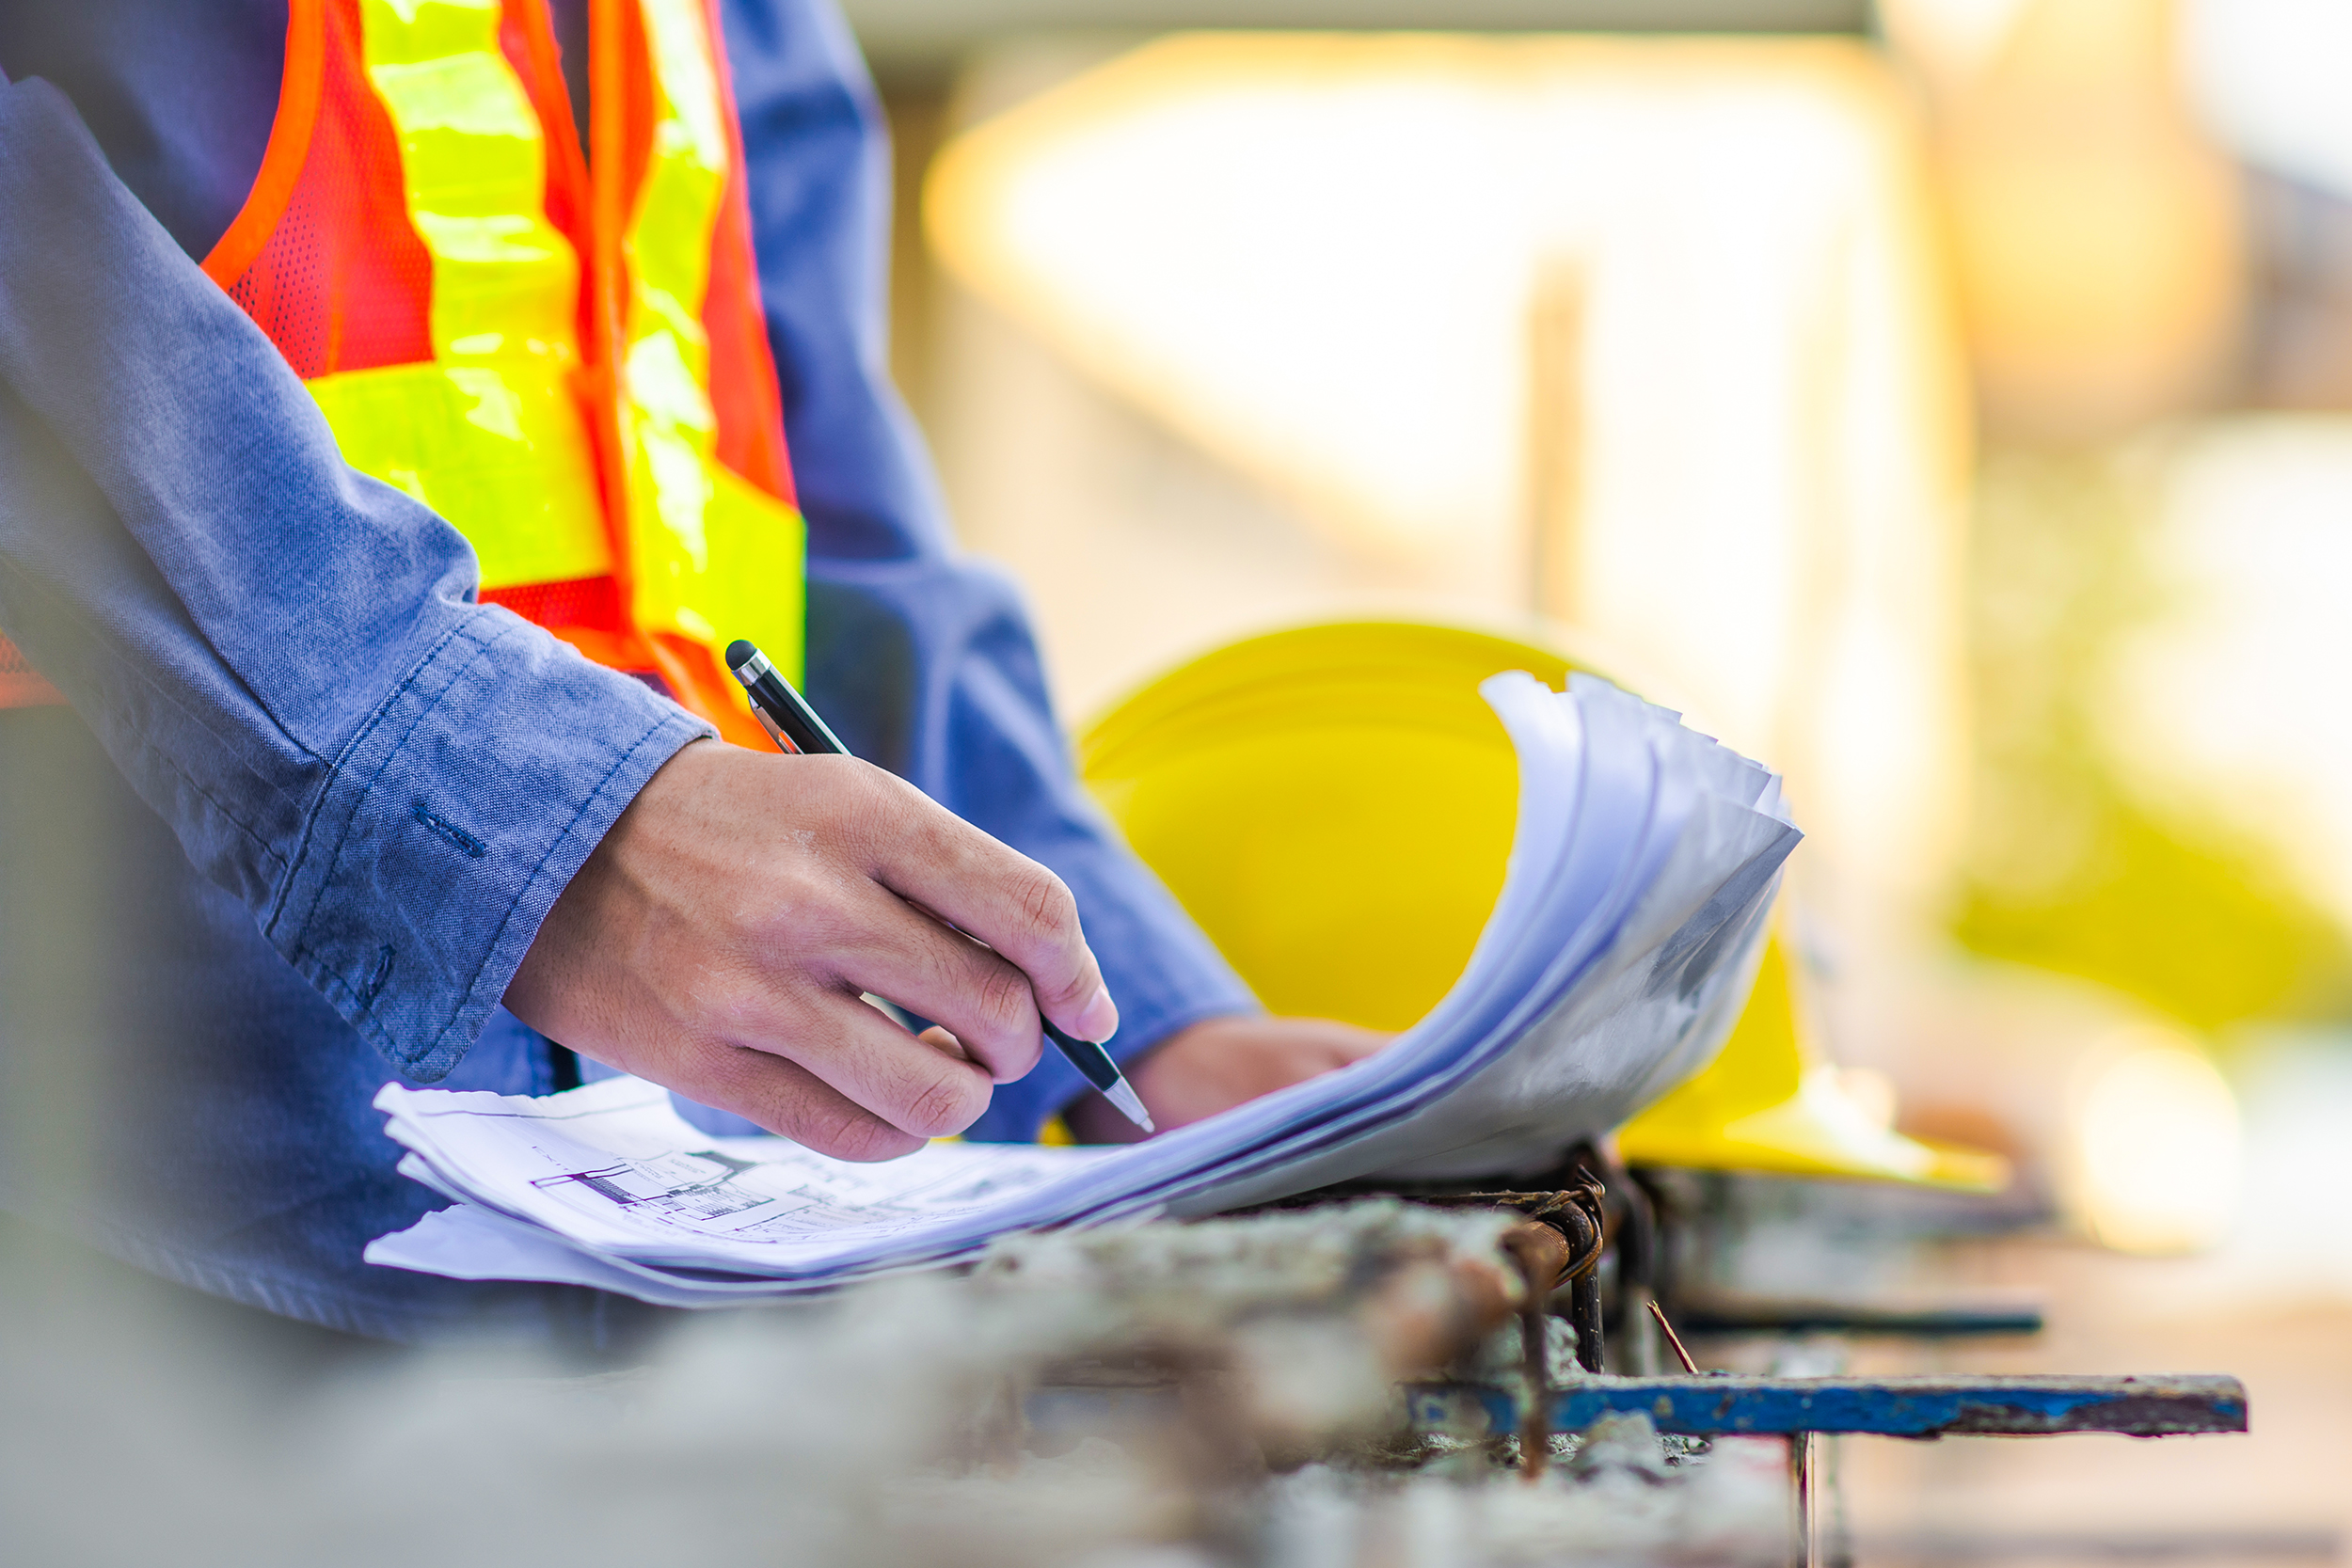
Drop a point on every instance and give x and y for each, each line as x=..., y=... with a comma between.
x=284, y=657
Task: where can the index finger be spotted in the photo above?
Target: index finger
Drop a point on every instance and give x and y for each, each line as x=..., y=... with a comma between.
x=959, y=874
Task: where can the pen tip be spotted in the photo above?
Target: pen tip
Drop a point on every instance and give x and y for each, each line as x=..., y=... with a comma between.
x=1123, y=1094
x=739, y=652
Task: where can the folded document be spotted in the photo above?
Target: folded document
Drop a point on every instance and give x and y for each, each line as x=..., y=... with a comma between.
x=1613, y=965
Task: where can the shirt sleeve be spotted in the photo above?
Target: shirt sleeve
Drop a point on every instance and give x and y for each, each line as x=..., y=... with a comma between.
x=284, y=657
x=919, y=655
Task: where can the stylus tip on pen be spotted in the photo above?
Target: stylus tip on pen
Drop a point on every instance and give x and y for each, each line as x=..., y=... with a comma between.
x=739, y=652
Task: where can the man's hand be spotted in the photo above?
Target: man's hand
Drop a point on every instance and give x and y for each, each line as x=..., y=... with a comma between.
x=1217, y=1064
x=717, y=942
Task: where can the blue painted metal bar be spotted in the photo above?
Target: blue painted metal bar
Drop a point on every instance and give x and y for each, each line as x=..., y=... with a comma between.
x=1724, y=1406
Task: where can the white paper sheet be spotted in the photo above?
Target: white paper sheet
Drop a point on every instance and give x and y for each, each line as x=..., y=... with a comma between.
x=613, y=1167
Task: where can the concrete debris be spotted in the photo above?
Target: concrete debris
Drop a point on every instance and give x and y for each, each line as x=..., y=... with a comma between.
x=1501, y=1354
x=1305, y=1319
x=1215, y=1395
x=1626, y=1444
x=1731, y=1507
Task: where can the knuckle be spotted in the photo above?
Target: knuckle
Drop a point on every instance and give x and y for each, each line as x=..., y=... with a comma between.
x=1047, y=909
x=868, y=1142
x=847, y=1133
x=1003, y=1002
x=870, y=1139
x=949, y=1103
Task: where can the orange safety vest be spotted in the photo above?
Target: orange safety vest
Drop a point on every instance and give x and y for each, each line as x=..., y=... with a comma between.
x=565, y=359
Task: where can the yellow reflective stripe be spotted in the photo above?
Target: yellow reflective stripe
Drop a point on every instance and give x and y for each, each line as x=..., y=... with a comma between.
x=500, y=453
x=759, y=544
x=473, y=159
x=666, y=356
x=490, y=435
x=712, y=557
x=668, y=243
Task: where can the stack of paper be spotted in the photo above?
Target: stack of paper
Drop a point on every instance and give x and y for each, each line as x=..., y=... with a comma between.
x=1612, y=968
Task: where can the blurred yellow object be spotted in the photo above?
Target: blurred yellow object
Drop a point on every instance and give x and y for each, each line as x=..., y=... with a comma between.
x=1334, y=804
x=1772, y=1101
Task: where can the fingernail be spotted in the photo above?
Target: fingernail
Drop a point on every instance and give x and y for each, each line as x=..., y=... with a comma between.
x=1100, y=1020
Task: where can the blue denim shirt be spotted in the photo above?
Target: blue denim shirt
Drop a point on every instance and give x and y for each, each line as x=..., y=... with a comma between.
x=310, y=800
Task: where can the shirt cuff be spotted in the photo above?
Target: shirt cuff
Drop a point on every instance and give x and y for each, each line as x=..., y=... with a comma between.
x=456, y=814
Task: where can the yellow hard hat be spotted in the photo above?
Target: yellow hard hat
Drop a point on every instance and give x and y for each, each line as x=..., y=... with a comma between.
x=1772, y=1101
x=1334, y=804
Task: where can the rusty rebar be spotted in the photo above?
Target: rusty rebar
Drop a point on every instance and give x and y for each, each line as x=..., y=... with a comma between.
x=1574, y=1211
x=1541, y=1253
x=1673, y=1338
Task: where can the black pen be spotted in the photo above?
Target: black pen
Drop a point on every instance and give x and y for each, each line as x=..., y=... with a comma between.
x=794, y=726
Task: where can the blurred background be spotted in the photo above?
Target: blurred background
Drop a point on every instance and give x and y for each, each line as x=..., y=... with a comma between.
x=1946, y=402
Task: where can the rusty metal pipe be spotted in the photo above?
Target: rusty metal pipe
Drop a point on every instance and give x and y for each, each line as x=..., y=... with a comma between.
x=1543, y=1255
